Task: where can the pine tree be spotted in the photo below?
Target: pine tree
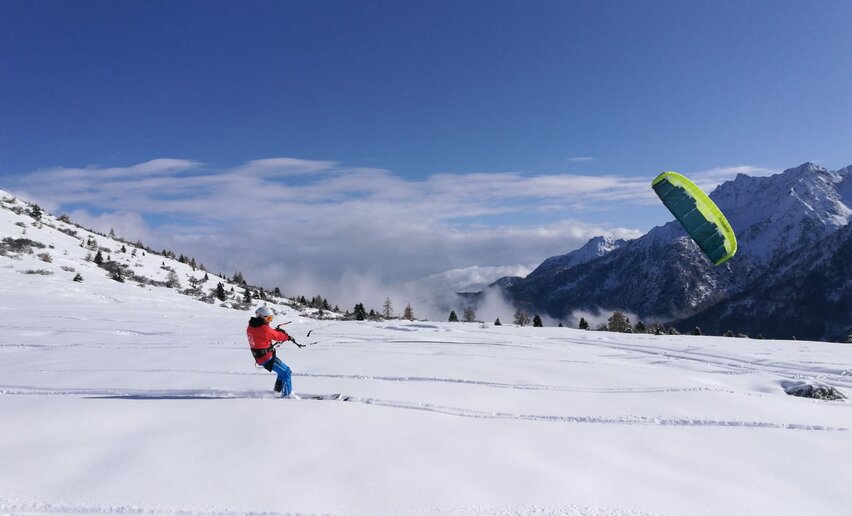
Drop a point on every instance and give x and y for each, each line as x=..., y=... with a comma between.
x=360, y=312
x=521, y=318
x=561, y=325
x=497, y=322
x=537, y=322
x=453, y=316
x=641, y=328
x=618, y=322
x=220, y=292
x=387, y=308
x=849, y=339
x=35, y=212
x=247, y=297
x=408, y=313
x=78, y=278
x=99, y=258
x=584, y=324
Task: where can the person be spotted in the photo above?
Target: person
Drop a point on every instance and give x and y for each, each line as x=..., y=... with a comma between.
x=261, y=338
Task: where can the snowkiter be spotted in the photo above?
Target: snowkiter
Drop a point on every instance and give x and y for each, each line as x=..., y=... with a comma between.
x=261, y=338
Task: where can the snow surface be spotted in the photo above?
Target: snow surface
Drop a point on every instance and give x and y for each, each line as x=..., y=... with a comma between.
x=123, y=399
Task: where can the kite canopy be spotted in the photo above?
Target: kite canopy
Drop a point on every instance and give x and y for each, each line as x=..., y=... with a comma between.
x=699, y=215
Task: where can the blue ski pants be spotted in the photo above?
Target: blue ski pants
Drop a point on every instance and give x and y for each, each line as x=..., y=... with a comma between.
x=284, y=374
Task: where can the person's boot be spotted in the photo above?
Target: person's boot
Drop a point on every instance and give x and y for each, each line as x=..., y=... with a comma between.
x=278, y=386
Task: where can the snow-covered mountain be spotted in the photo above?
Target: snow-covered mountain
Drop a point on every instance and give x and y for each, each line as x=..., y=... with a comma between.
x=663, y=275
x=47, y=246
x=592, y=250
x=808, y=295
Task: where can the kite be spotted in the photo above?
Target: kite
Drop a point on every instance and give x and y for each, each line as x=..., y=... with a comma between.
x=699, y=215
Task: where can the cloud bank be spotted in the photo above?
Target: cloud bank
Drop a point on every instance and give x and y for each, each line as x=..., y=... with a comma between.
x=348, y=233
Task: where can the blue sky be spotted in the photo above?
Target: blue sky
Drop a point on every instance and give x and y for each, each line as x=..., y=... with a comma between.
x=407, y=96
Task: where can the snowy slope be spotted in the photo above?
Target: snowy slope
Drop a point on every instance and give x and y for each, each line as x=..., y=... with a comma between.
x=61, y=250
x=121, y=399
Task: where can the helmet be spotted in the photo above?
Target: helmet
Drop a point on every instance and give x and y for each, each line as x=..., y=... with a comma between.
x=264, y=311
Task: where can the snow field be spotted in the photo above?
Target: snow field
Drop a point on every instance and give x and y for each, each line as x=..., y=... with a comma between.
x=121, y=399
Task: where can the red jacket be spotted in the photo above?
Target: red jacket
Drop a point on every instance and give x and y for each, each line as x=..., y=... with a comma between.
x=261, y=336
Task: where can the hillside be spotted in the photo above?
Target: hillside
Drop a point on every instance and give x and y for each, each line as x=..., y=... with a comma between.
x=54, y=248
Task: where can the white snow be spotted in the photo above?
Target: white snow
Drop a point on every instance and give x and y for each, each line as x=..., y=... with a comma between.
x=121, y=399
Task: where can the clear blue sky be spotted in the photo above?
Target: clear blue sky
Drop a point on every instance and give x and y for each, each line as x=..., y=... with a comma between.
x=424, y=88
x=427, y=87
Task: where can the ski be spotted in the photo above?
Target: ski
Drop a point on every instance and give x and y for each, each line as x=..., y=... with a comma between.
x=328, y=397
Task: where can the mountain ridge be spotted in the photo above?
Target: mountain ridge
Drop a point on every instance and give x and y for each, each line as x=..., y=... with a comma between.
x=662, y=276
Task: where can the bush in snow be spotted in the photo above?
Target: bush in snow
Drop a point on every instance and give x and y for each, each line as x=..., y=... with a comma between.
x=45, y=257
x=78, y=278
x=813, y=389
x=19, y=245
x=41, y=272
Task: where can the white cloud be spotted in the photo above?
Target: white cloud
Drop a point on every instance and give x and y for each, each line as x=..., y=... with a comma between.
x=316, y=227
x=580, y=159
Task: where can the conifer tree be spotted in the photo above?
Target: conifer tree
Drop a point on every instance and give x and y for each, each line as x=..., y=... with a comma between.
x=453, y=316
x=641, y=328
x=521, y=318
x=99, y=258
x=360, y=312
x=220, y=292
x=497, y=322
x=619, y=322
x=35, y=212
x=408, y=313
x=387, y=308
x=537, y=322
x=584, y=324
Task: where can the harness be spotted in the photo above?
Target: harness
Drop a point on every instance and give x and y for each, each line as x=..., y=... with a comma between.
x=259, y=352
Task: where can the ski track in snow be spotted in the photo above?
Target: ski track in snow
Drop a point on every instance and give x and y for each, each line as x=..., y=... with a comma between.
x=11, y=507
x=213, y=394
x=736, y=365
x=461, y=381
x=8, y=507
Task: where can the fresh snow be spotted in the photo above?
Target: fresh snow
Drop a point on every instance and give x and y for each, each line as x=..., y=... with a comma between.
x=139, y=400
